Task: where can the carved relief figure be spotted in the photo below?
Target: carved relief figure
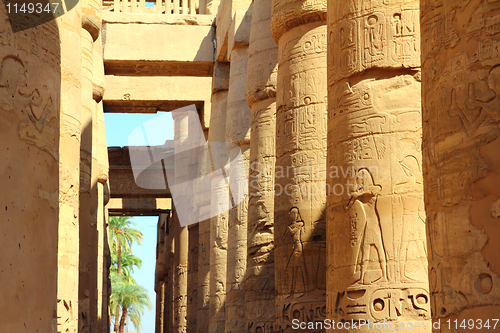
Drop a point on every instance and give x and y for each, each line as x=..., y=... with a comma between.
x=296, y=261
x=481, y=108
x=363, y=202
x=14, y=93
x=413, y=231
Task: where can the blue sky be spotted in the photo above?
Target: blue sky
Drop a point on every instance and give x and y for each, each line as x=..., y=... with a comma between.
x=118, y=128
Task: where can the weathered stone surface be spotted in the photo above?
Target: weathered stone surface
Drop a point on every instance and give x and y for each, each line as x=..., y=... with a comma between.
x=460, y=139
x=260, y=315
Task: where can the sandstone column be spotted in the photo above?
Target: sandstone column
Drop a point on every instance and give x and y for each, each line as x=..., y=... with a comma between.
x=88, y=172
x=181, y=129
x=299, y=28
x=218, y=223
x=203, y=313
x=377, y=265
x=238, y=134
x=69, y=174
x=192, y=279
x=160, y=271
x=102, y=169
x=168, y=315
x=460, y=91
x=30, y=105
x=260, y=315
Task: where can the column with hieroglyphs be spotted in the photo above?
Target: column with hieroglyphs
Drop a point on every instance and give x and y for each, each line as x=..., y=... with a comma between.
x=299, y=28
x=203, y=201
x=218, y=223
x=238, y=134
x=69, y=174
x=102, y=171
x=376, y=216
x=461, y=103
x=88, y=289
x=169, y=251
x=192, y=272
x=160, y=272
x=262, y=72
x=34, y=106
x=181, y=140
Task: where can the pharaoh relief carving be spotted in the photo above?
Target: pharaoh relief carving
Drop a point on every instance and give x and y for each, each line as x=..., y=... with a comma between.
x=460, y=66
x=17, y=96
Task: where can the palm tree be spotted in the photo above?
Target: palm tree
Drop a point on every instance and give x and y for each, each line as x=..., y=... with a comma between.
x=122, y=236
x=132, y=298
x=128, y=262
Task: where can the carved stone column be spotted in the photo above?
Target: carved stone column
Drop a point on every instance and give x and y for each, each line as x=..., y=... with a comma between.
x=377, y=264
x=101, y=170
x=160, y=272
x=218, y=223
x=192, y=271
x=69, y=174
x=181, y=131
x=88, y=172
x=461, y=103
x=169, y=250
x=203, y=313
x=30, y=106
x=299, y=28
x=238, y=133
x=262, y=72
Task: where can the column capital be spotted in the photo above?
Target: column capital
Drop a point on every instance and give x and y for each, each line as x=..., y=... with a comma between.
x=288, y=14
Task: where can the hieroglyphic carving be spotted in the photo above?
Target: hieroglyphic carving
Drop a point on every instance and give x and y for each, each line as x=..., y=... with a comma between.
x=305, y=312
x=15, y=95
x=374, y=35
x=460, y=117
x=300, y=201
